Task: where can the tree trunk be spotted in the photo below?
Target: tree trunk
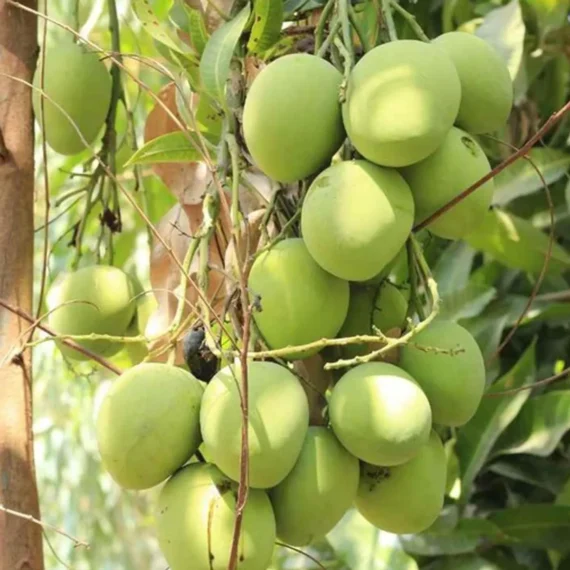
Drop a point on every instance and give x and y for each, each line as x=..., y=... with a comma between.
x=20, y=540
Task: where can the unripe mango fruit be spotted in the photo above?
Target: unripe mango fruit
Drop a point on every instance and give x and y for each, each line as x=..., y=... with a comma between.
x=453, y=380
x=278, y=422
x=312, y=499
x=292, y=121
x=97, y=299
x=78, y=81
x=407, y=498
x=451, y=169
x=486, y=85
x=355, y=218
x=148, y=424
x=195, y=522
x=402, y=98
x=383, y=307
x=300, y=302
x=380, y=414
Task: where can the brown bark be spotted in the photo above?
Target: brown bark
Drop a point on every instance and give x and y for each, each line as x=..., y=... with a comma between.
x=20, y=540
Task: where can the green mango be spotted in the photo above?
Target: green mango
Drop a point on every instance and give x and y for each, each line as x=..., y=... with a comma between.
x=77, y=80
x=312, y=499
x=380, y=414
x=98, y=299
x=355, y=218
x=454, y=382
x=300, y=302
x=195, y=522
x=292, y=121
x=402, y=98
x=407, y=498
x=278, y=422
x=148, y=424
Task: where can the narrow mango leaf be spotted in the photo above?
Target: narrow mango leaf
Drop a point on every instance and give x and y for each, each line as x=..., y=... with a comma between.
x=361, y=545
x=197, y=29
x=542, y=472
x=218, y=53
x=475, y=439
x=535, y=526
x=539, y=427
x=453, y=267
x=266, y=26
x=467, y=303
x=465, y=538
x=521, y=179
x=504, y=29
x=291, y=6
x=172, y=147
x=516, y=243
x=159, y=28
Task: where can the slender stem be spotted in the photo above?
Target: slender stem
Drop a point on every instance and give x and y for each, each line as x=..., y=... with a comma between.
x=346, y=35
x=412, y=21
x=333, y=31
x=320, y=30
x=389, y=19
x=415, y=301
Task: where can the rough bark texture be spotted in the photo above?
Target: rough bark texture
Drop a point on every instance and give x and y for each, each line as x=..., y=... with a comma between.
x=20, y=540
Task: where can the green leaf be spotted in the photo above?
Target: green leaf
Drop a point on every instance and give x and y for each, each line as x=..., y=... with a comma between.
x=267, y=23
x=361, y=545
x=550, y=13
x=521, y=179
x=453, y=267
x=468, y=535
x=218, y=53
x=516, y=243
x=539, y=427
x=197, y=29
x=172, y=147
x=475, y=439
x=159, y=29
x=535, y=526
x=291, y=6
x=532, y=470
x=504, y=29
x=466, y=303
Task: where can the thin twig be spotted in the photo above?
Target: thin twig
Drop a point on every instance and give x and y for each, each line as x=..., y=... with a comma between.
x=30, y=518
x=100, y=360
x=550, y=380
x=320, y=30
x=412, y=21
x=389, y=19
x=302, y=552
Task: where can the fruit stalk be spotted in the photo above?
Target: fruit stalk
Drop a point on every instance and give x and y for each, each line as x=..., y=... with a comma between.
x=411, y=19
x=389, y=19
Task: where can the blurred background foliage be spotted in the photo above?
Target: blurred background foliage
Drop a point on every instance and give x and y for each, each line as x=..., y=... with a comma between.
x=508, y=466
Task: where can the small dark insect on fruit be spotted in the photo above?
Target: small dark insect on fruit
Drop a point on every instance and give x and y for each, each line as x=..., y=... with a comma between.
x=199, y=358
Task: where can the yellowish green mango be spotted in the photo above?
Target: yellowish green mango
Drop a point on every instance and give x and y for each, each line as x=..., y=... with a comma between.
x=402, y=98
x=312, y=499
x=148, y=424
x=486, y=85
x=278, y=422
x=300, y=302
x=292, y=121
x=407, y=498
x=447, y=363
x=98, y=299
x=452, y=168
x=380, y=414
x=355, y=218
x=195, y=522
x=76, y=80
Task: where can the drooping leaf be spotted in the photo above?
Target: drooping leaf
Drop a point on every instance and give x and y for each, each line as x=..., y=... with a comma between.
x=453, y=267
x=361, y=545
x=466, y=303
x=504, y=29
x=291, y=6
x=159, y=28
x=520, y=178
x=464, y=538
x=197, y=29
x=268, y=20
x=475, y=439
x=218, y=53
x=538, y=428
x=516, y=243
x=535, y=526
x=172, y=147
